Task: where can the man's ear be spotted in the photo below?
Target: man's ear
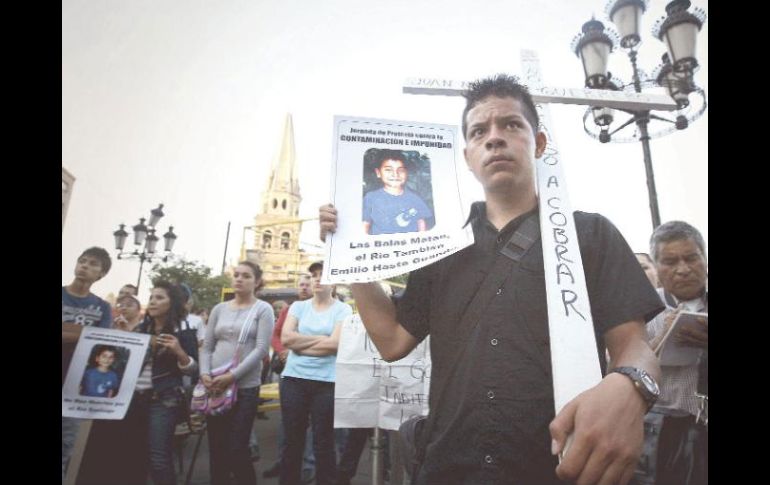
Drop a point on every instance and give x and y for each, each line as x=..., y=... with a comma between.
x=541, y=141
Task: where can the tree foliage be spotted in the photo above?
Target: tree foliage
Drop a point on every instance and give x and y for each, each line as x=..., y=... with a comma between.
x=206, y=288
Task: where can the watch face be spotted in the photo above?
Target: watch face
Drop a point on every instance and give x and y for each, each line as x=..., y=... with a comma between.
x=650, y=383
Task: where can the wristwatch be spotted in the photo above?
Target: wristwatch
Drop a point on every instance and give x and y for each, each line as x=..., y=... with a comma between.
x=643, y=382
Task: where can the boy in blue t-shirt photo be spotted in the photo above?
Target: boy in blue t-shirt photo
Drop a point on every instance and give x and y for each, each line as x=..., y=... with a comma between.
x=99, y=380
x=394, y=208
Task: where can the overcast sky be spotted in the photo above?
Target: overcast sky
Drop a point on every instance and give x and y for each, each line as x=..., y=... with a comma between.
x=183, y=102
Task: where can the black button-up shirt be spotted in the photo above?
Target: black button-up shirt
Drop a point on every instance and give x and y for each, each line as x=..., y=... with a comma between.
x=493, y=414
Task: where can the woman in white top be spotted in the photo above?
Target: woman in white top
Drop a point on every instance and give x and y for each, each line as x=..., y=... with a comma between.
x=229, y=432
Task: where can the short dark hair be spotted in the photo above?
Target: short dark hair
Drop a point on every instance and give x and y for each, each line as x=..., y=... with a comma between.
x=257, y=271
x=501, y=86
x=98, y=350
x=389, y=155
x=675, y=231
x=102, y=255
x=315, y=266
x=133, y=287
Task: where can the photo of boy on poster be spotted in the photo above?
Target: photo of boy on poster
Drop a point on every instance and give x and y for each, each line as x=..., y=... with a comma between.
x=397, y=192
x=104, y=372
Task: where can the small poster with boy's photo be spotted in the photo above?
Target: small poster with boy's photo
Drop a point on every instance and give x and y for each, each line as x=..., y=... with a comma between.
x=397, y=192
x=408, y=212
x=104, y=371
x=102, y=374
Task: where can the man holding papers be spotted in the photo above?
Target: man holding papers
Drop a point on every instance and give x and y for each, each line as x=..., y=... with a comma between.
x=679, y=253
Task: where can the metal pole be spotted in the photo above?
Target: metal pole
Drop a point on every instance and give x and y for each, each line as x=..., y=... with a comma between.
x=652, y=193
x=227, y=239
x=139, y=278
x=377, y=461
x=642, y=120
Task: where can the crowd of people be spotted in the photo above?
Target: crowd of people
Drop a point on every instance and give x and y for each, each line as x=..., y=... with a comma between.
x=643, y=423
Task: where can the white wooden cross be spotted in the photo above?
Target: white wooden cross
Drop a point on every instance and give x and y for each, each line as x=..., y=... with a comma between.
x=574, y=361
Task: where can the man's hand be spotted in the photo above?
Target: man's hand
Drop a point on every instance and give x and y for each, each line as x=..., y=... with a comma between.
x=667, y=322
x=607, y=423
x=327, y=216
x=694, y=336
x=282, y=356
x=120, y=323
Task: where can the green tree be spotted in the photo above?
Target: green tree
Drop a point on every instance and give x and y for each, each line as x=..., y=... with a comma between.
x=206, y=288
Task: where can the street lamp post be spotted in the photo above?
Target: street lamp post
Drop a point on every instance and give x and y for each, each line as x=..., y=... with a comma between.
x=678, y=30
x=144, y=237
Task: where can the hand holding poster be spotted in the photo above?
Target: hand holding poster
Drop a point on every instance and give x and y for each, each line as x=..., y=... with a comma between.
x=394, y=184
x=102, y=374
x=370, y=392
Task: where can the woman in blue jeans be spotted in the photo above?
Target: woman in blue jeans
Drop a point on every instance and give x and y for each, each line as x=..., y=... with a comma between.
x=124, y=451
x=311, y=333
x=229, y=432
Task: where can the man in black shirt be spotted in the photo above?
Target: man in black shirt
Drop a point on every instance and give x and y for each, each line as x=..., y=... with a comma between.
x=493, y=420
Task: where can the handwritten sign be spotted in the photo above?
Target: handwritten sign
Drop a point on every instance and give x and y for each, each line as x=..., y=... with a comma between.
x=373, y=393
x=102, y=374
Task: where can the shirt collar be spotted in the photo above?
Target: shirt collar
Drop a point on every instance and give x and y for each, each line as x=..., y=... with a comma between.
x=478, y=211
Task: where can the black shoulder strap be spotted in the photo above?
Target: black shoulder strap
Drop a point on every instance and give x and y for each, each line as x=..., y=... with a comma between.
x=523, y=238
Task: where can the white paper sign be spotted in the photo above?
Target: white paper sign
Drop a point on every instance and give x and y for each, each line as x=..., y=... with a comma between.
x=370, y=392
x=102, y=374
x=395, y=187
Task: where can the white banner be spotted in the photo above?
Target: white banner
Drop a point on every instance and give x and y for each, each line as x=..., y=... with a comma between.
x=395, y=187
x=102, y=374
x=370, y=392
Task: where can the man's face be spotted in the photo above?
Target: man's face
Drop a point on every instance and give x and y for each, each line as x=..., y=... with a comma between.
x=304, y=288
x=393, y=174
x=501, y=146
x=682, y=268
x=126, y=291
x=88, y=269
x=129, y=309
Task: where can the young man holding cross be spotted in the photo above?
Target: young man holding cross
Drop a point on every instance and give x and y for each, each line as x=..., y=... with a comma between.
x=491, y=402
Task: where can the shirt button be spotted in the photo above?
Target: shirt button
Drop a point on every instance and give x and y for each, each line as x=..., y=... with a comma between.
x=491, y=395
x=499, y=291
x=493, y=341
x=488, y=459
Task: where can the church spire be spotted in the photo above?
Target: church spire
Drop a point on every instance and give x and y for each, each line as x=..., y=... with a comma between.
x=283, y=176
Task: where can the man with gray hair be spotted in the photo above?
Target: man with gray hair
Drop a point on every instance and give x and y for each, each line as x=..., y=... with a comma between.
x=679, y=254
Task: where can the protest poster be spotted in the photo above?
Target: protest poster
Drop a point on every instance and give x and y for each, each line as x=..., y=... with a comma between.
x=370, y=392
x=395, y=187
x=102, y=374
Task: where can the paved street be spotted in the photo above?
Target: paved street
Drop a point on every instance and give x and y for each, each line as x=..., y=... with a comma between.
x=267, y=434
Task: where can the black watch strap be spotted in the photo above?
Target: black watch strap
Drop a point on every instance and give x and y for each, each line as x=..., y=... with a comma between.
x=644, y=383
